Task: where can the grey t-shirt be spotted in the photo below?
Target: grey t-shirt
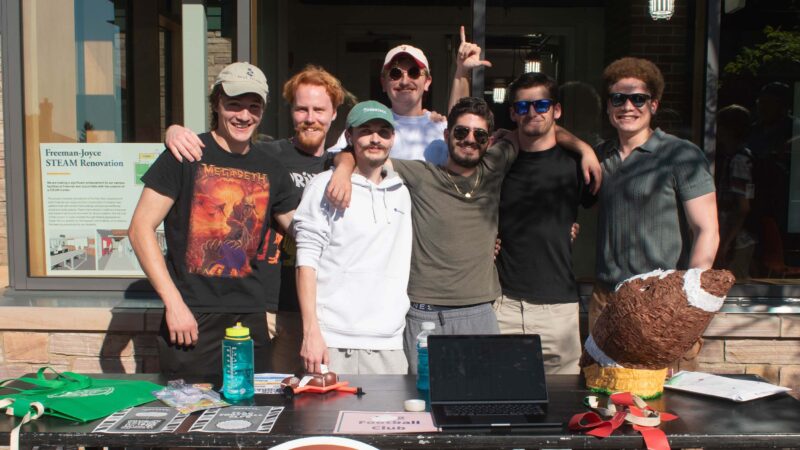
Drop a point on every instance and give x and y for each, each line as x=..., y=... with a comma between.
x=641, y=224
x=452, y=259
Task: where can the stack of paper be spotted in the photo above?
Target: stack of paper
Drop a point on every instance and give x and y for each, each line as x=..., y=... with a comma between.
x=718, y=386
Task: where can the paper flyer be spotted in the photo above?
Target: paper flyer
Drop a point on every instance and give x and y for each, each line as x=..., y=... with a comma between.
x=269, y=383
x=717, y=386
x=370, y=422
x=142, y=419
x=238, y=419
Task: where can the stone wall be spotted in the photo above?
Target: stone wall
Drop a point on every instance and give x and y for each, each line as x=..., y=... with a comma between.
x=87, y=340
x=96, y=340
x=763, y=344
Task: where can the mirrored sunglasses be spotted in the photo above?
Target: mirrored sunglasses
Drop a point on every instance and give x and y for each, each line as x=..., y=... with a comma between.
x=541, y=106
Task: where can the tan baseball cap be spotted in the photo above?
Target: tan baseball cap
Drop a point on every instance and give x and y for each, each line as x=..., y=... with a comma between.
x=404, y=49
x=243, y=78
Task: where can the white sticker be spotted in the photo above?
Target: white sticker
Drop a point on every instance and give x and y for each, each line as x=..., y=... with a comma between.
x=304, y=381
x=323, y=368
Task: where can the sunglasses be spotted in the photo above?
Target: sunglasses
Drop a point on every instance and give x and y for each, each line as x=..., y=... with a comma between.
x=618, y=99
x=540, y=106
x=461, y=132
x=395, y=73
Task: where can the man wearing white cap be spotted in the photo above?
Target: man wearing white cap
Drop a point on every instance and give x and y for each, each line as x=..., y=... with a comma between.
x=405, y=77
x=353, y=265
x=217, y=214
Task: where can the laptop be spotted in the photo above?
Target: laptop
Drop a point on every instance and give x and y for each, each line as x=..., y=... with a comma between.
x=487, y=381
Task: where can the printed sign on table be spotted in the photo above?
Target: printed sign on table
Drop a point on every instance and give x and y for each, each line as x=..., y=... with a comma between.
x=238, y=419
x=142, y=419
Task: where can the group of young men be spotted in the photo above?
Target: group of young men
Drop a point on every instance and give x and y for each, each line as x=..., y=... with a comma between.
x=404, y=230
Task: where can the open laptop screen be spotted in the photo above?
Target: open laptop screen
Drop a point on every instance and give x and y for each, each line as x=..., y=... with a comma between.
x=486, y=368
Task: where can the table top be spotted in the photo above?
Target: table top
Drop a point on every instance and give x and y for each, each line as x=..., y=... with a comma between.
x=703, y=422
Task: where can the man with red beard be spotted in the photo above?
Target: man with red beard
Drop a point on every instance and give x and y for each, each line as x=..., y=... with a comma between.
x=313, y=95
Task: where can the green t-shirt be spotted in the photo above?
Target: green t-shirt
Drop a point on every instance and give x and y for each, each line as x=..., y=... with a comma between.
x=641, y=224
x=452, y=260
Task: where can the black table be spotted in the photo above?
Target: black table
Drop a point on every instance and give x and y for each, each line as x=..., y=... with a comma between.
x=772, y=422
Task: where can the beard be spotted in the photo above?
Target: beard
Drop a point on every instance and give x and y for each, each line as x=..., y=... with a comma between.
x=467, y=162
x=309, y=142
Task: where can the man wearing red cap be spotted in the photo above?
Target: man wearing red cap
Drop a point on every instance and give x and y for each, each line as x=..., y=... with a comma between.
x=405, y=78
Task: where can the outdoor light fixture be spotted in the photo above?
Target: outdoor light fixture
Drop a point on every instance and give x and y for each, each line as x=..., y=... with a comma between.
x=499, y=91
x=662, y=9
x=533, y=62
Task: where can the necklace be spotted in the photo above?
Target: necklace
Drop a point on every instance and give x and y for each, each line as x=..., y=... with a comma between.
x=474, y=186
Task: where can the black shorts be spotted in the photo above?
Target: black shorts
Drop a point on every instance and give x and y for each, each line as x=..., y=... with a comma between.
x=203, y=361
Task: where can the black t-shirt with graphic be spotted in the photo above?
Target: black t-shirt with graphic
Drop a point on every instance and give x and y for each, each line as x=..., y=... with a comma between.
x=220, y=250
x=538, y=205
x=302, y=168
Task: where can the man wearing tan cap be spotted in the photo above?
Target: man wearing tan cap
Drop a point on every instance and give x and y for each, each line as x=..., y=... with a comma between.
x=217, y=214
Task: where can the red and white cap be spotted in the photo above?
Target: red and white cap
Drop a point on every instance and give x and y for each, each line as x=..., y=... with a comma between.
x=404, y=49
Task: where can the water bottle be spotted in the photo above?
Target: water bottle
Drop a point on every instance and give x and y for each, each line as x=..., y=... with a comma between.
x=237, y=364
x=423, y=374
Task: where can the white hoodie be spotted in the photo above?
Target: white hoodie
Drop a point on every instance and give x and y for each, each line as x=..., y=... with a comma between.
x=362, y=256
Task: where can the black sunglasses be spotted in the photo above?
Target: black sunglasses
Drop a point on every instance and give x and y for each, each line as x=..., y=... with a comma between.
x=618, y=99
x=395, y=73
x=540, y=106
x=461, y=132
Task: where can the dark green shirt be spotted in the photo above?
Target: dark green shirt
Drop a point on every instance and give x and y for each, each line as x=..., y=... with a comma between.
x=641, y=224
x=452, y=258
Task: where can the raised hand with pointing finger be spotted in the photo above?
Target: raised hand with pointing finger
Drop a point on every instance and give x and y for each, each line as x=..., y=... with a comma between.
x=467, y=58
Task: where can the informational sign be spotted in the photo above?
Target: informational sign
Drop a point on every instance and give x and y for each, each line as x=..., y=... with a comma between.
x=370, y=422
x=89, y=192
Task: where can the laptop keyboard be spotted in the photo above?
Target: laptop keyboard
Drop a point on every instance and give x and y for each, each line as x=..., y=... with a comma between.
x=494, y=409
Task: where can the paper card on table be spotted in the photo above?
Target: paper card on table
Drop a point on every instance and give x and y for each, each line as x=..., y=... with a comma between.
x=238, y=419
x=269, y=383
x=734, y=389
x=388, y=422
x=142, y=419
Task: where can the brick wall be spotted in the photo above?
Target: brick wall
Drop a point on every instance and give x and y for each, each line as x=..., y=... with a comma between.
x=631, y=32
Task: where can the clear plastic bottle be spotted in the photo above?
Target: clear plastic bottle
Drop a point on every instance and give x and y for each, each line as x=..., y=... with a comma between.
x=423, y=373
x=237, y=364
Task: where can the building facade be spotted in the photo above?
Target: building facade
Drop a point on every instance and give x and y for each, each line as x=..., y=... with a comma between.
x=105, y=78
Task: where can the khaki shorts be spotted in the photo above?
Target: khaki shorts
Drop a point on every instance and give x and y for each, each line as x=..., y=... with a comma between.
x=556, y=323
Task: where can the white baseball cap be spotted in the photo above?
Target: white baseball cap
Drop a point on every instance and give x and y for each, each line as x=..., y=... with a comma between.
x=404, y=49
x=243, y=78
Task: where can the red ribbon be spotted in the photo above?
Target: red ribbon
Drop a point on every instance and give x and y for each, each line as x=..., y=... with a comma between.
x=593, y=423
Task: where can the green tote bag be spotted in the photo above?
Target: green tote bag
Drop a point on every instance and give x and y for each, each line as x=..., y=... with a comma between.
x=73, y=396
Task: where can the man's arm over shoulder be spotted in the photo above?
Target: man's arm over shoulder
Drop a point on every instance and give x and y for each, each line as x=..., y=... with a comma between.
x=502, y=154
x=411, y=171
